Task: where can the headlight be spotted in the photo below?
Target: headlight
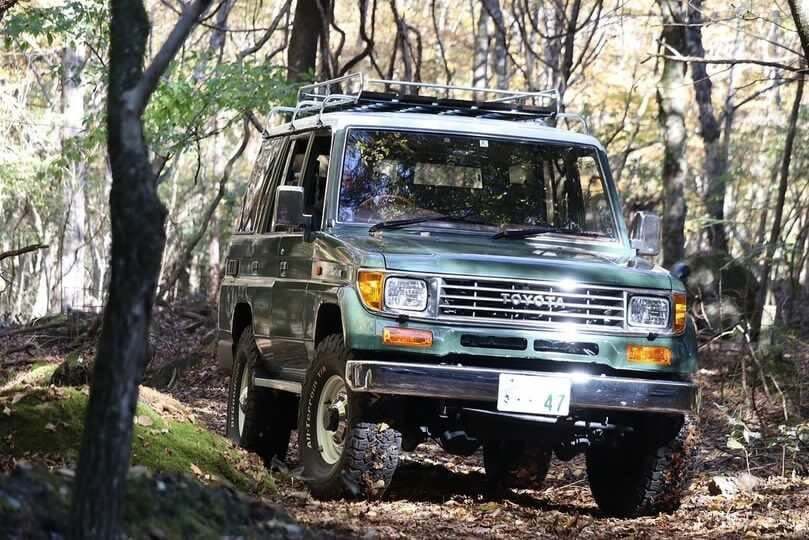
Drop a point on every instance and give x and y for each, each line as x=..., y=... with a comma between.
x=649, y=312
x=407, y=294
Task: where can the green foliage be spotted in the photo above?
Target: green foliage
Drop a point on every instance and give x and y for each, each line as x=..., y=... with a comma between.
x=180, y=109
x=71, y=19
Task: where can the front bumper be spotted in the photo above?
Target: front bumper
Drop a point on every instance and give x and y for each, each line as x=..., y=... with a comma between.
x=588, y=392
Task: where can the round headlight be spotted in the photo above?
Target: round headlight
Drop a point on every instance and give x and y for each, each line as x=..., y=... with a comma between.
x=649, y=312
x=405, y=293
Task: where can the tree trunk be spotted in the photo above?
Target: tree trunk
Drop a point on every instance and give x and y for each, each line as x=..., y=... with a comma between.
x=137, y=219
x=775, y=231
x=800, y=14
x=715, y=161
x=72, y=250
x=500, y=57
x=566, y=65
x=480, y=63
x=303, y=43
x=672, y=99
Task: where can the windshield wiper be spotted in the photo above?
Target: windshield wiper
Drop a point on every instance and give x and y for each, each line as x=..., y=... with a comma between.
x=399, y=223
x=541, y=229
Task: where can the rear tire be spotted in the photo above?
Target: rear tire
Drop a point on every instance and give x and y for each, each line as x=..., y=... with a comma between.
x=643, y=476
x=341, y=454
x=258, y=419
x=515, y=465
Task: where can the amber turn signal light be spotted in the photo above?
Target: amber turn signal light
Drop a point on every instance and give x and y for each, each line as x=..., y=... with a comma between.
x=680, y=309
x=406, y=337
x=641, y=354
x=369, y=283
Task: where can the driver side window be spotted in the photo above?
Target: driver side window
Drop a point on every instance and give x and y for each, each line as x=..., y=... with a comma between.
x=314, y=179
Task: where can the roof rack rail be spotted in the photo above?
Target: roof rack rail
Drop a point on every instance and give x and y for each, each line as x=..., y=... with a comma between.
x=356, y=92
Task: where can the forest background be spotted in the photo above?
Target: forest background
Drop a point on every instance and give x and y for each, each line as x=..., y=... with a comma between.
x=698, y=104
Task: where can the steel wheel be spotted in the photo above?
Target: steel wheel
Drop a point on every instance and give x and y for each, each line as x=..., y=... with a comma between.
x=332, y=419
x=244, y=387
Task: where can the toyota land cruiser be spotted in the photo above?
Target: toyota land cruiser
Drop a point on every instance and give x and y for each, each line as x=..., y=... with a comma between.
x=417, y=261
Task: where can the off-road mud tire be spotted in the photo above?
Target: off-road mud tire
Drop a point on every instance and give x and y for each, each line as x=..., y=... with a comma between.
x=515, y=465
x=644, y=477
x=269, y=414
x=370, y=449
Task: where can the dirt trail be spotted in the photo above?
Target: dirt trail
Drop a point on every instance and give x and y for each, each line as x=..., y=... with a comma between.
x=435, y=495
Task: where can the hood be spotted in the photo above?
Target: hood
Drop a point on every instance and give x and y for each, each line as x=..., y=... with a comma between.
x=535, y=259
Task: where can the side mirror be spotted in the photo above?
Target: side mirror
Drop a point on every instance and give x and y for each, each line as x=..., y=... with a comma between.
x=288, y=212
x=644, y=233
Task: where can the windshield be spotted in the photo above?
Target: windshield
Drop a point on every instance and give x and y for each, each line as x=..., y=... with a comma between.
x=493, y=184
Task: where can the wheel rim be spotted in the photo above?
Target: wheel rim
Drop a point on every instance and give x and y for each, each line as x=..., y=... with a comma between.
x=332, y=419
x=244, y=387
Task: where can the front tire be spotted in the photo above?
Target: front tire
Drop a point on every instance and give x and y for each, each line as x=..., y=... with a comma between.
x=341, y=453
x=644, y=476
x=258, y=419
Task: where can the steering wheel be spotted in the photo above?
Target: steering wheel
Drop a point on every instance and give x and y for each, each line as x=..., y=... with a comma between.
x=404, y=201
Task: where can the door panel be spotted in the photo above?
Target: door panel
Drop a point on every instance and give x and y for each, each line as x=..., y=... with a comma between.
x=295, y=256
x=295, y=269
x=288, y=347
x=258, y=252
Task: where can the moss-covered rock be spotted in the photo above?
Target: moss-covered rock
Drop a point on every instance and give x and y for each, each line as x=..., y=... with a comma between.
x=75, y=370
x=34, y=503
x=44, y=424
x=38, y=375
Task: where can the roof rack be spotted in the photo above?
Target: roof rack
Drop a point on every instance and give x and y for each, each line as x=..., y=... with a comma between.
x=355, y=92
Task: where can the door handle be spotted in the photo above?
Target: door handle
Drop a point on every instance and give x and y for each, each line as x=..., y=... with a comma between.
x=254, y=267
x=283, y=268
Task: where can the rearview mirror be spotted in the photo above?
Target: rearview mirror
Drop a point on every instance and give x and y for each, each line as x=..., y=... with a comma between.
x=644, y=233
x=288, y=213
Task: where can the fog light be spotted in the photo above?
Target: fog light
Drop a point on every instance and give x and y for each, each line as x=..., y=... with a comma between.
x=405, y=337
x=657, y=356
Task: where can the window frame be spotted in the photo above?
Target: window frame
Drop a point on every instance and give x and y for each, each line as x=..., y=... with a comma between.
x=620, y=236
x=264, y=182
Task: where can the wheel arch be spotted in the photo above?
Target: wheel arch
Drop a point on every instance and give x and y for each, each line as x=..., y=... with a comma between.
x=242, y=318
x=329, y=320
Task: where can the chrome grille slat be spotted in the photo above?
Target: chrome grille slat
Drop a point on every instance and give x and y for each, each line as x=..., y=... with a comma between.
x=538, y=303
x=569, y=305
x=560, y=314
x=538, y=291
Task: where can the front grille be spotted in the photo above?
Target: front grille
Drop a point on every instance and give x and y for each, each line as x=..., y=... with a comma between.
x=530, y=303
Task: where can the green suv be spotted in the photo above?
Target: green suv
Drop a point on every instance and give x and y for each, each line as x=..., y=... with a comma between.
x=409, y=264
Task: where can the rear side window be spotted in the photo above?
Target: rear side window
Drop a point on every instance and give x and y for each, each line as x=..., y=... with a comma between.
x=256, y=188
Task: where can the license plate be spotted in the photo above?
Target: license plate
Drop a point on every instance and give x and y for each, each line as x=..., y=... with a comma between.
x=533, y=394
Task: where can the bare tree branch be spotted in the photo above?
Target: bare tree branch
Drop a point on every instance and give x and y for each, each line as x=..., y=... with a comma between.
x=366, y=37
x=268, y=34
x=184, y=258
x=22, y=251
x=780, y=64
x=139, y=95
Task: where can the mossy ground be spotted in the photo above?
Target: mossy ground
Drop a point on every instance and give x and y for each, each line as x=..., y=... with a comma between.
x=43, y=424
